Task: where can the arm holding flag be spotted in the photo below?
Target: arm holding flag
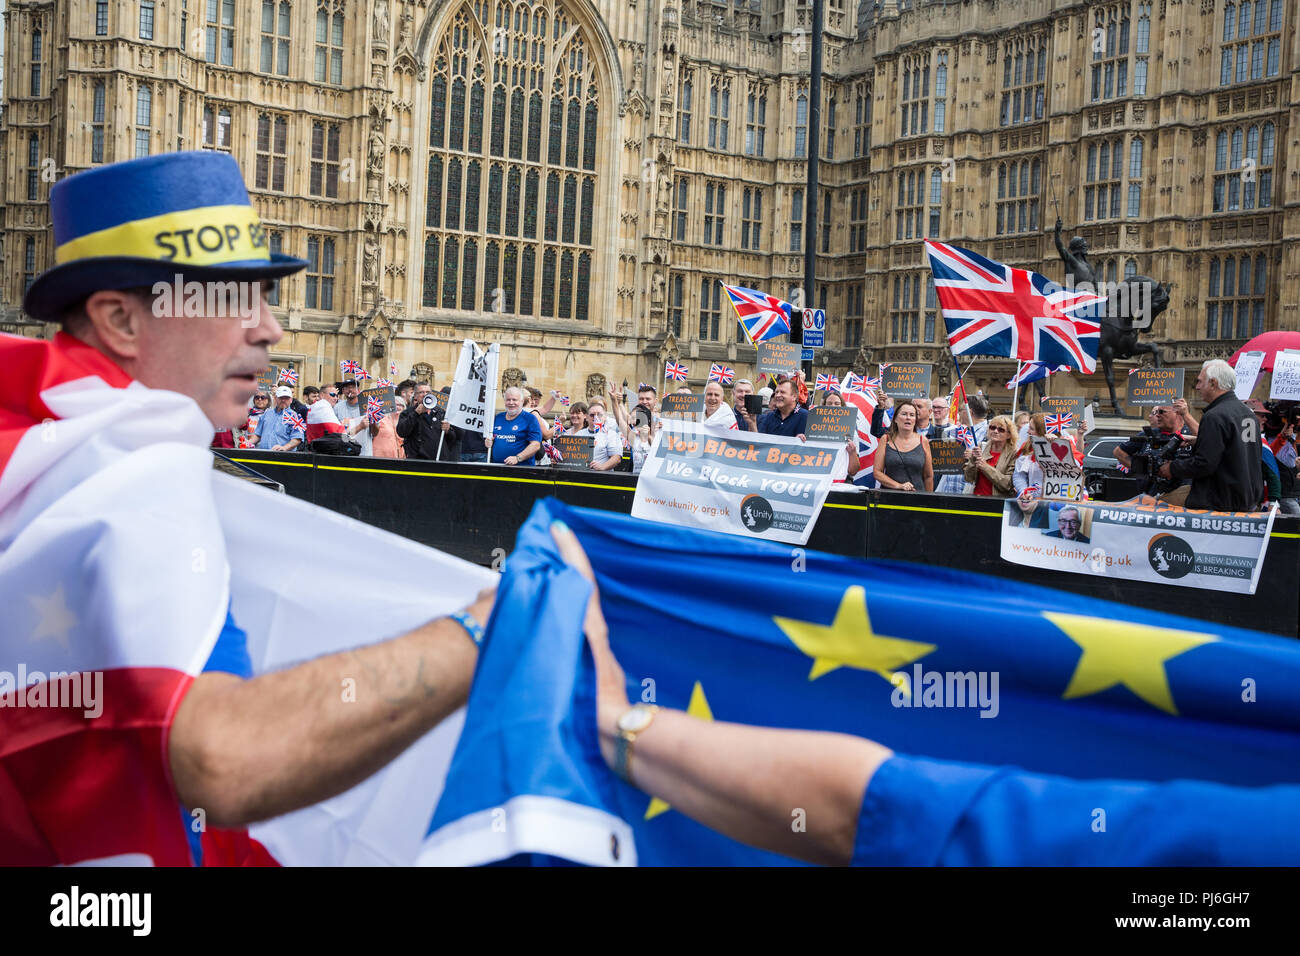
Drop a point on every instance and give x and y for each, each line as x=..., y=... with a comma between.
x=248, y=750
x=868, y=806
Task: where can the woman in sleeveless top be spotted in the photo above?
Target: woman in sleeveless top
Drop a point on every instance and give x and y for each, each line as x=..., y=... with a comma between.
x=903, y=458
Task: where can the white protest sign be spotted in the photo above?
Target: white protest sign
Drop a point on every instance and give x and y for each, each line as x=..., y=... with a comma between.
x=473, y=398
x=1247, y=369
x=1286, y=376
x=1062, y=476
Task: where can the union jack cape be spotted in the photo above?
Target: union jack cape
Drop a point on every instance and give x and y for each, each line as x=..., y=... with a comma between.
x=993, y=309
x=760, y=315
x=121, y=553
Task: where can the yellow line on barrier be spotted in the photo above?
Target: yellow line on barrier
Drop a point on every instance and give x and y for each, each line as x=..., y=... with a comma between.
x=277, y=464
x=1282, y=534
x=848, y=507
x=941, y=511
x=587, y=484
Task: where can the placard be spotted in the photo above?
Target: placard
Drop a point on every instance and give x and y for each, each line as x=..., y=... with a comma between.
x=1063, y=405
x=266, y=380
x=947, y=456
x=677, y=407
x=1062, y=476
x=1247, y=369
x=906, y=379
x=1154, y=386
x=778, y=358
x=828, y=423
x=472, y=403
x=575, y=450
x=1286, y=376
x=385, y=395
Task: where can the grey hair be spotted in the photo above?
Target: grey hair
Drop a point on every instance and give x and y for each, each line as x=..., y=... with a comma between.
x=743, y=381
x=513, y=388
x=1221, y=374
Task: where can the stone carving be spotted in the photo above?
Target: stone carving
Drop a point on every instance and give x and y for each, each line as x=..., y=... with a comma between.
x=595, y=386
x=375, y=158
x=408, y=23
x=381, y=22
x=657, y=287
x=370, y=261
x=513, y=378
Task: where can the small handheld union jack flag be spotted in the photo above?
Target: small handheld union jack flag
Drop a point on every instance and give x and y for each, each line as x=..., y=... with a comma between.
x=564, y=400
x=559, y=428
x=392, y=369
x=349, y=367
x=294, y=421
x=552, y=452
x=721, y=374
x=676, y=371
x=374, y=409
x=287, y=376
x=966, y=436
x=1057, y=424
x=383, y=383
x=826, y=383
x=853, y=382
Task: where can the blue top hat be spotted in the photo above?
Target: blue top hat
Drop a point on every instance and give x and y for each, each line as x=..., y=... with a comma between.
x=146, y=220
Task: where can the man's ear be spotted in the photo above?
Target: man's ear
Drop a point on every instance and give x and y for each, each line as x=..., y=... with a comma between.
x=116, y=319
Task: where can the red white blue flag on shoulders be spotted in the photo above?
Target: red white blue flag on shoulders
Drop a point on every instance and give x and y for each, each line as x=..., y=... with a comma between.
x=762, y=316
x=993, y=309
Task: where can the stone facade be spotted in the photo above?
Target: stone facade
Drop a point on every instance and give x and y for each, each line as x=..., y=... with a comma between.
x=570, y=179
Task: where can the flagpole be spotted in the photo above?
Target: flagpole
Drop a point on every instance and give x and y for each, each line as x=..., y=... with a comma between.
x=1015, y=392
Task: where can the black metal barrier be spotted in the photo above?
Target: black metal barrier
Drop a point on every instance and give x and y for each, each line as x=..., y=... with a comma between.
x=473, y=511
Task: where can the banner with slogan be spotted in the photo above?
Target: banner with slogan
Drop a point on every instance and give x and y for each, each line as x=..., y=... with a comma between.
x=948, y=457
x=779, y=358
x=1062, y=476
x=473, y=399
x=765, y=486
x=682, y=407
x=1154, y=386
x=1160, y=543
x=906, y=379
x=267, y=378
x=1286, y=376
x=387, y=396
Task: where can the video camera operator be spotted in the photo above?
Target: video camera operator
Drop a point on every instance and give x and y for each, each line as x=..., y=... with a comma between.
x=1144, y=453
x=422, y=425
x=1224, y=465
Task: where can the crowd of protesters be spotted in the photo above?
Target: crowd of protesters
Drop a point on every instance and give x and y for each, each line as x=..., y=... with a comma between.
x=1224, y=468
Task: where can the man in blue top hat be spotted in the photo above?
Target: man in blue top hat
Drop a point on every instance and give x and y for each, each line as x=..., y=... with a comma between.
x=160, y=264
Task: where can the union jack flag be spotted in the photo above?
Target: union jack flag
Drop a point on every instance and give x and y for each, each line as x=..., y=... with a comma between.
x=349, y=367
x=287, y=376
x=826, y=383
x=853, y=382
x=1057, y=424
x=552, y=452
x=721, y=374
x=1033, y=372
x=966, y=436
x=992, y=309
x=564, y=400
x=762, y=316
x=559, y=428
x=676, y=371
x=374, y=409
x=392, y=369
x=871, y=384
x=362, y=375
x=383, y=383
x=294, y=421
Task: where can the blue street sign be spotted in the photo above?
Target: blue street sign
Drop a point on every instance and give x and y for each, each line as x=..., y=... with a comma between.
x=814, y=330
x=807, y=355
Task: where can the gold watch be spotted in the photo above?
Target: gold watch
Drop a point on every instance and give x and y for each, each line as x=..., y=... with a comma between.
x=633, y=721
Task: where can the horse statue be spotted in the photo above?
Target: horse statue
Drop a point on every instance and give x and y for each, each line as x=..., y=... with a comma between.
x=1131, y=308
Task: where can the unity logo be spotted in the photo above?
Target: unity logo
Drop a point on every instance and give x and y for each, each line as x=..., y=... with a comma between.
x=1170, y=556
x=756, y=513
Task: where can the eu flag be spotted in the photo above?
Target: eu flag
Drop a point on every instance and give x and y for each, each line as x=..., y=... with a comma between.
x=936, y=664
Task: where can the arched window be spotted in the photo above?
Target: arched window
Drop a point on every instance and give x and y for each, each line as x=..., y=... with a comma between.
x=36, y=63
x=491, y=91
x=801, y=126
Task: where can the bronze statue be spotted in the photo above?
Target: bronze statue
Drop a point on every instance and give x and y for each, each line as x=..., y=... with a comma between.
x=1131, y=308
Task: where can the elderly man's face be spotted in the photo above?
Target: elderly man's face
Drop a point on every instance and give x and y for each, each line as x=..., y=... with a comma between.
x=712, y=397
x=922, y=413
x=282, y=403
x=420, y=392
x=1068, y=522
x=1206, y=388
x=514, y=403
x=939, y=411
x=741, y=390
x=214, y=360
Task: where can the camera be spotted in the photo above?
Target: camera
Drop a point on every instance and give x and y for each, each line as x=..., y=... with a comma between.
x=1279, y=413
x=430, y=402
x=1155, y=449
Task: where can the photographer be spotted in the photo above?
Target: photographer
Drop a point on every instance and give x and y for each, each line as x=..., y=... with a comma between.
x=1145, y=452
x=423, y=424
x=1224, y=465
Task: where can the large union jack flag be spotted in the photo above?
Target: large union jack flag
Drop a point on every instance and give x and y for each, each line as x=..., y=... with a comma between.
x=762, y=316
x=992, y=309
x=721, y=374
x=676, y=371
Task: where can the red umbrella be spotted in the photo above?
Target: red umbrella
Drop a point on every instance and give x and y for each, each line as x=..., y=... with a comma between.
x=1270, y=343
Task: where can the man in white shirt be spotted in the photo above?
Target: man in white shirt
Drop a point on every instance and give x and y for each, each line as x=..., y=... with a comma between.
x=607, y=450
x=717, y=414
x=348, y=410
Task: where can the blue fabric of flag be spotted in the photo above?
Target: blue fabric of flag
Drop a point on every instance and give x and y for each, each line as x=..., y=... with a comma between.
x=1088, y=692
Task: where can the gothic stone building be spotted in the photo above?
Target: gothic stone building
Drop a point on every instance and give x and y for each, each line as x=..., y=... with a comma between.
x=572, y=178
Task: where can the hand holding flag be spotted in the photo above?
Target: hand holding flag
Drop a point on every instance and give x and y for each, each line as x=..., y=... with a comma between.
x=374, y=410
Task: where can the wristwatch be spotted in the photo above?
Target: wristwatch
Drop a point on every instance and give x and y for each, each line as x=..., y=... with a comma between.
x=634, y=720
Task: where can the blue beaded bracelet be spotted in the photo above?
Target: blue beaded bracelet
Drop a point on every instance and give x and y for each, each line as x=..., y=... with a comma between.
x=471, y=626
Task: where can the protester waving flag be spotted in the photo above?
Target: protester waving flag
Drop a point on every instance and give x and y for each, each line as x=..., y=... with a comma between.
x=1034, y=372
x=865, y=402
x=287, y=376
x=826, y=383
x=760, y=315
x=993, y=309
x=1057, y=424
x=349, y=367
x=721, y=374
x=675, y=371
x=966, y=436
